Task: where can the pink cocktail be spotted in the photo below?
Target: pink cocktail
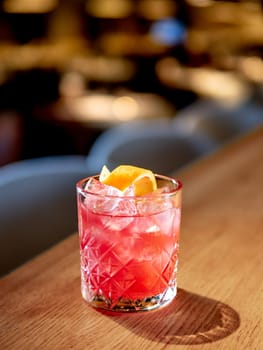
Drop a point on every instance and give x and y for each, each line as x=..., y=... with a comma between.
x=129, y=245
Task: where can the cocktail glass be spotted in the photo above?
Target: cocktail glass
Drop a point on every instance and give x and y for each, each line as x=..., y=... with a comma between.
x=128, y=245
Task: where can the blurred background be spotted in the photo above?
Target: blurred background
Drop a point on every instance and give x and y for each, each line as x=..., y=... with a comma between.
x=71, y=69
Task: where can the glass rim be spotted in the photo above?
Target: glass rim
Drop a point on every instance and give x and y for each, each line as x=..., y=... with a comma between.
x=178, y=187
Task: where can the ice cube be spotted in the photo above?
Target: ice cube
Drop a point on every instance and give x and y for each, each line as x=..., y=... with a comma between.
x=129, y=191
x=151, y=204
x=126, y=207
x=110, y=200
x=166, y=220
x=102, y=198
x=142, y=225
x=116, y=223
x=97, y=187
x=122, y=214
x=93, y=185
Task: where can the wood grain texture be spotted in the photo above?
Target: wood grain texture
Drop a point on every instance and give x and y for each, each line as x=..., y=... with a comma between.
x=220, y=299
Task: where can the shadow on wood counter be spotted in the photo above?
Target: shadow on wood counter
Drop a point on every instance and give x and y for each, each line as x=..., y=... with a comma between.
x=189, y=319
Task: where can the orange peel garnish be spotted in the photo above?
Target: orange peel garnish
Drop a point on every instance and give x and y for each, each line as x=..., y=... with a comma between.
x=124, y=176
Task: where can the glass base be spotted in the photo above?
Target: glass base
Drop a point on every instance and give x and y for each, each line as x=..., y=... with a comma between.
x=126, y=305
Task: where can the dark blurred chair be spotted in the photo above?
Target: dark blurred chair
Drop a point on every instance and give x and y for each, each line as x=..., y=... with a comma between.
x=218, y=121
x=154, y=145
x=37, y=206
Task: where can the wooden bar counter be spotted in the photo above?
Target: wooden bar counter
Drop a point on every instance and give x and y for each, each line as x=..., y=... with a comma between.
x=219, y=304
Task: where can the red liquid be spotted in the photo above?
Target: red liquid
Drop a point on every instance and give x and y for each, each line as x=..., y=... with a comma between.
x=128, y=257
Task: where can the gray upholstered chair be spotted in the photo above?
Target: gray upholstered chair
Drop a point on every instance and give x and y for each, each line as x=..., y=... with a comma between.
x=218, y=121
x=154, y=145
x=37, y=206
